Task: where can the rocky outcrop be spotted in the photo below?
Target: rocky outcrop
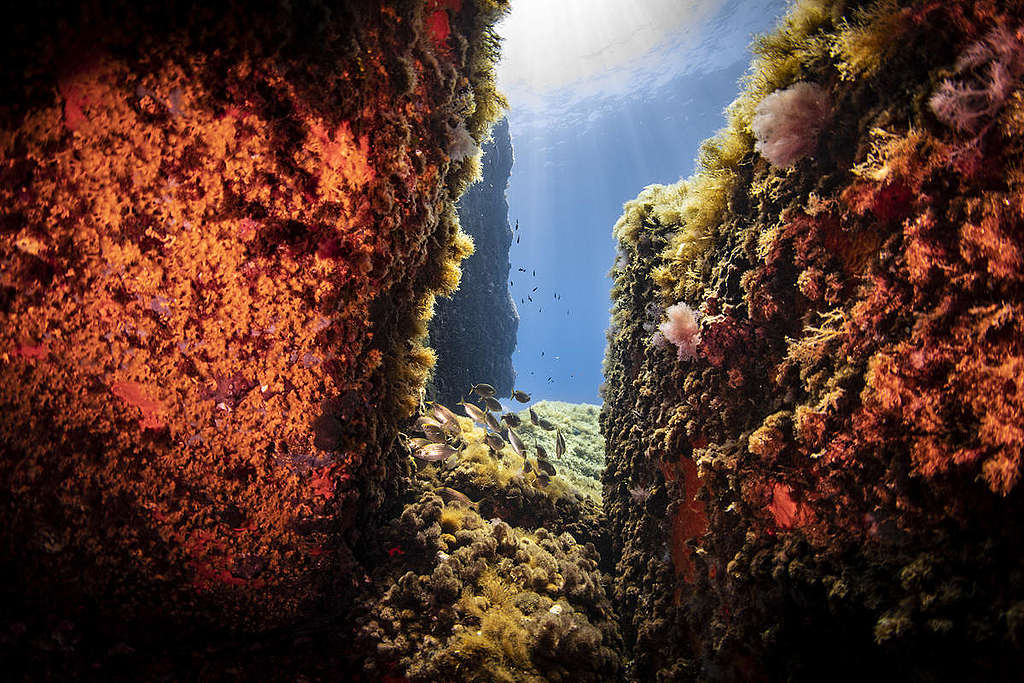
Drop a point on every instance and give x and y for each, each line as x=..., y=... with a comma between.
x=221, y=230
x=813, y=397
x=473, y=332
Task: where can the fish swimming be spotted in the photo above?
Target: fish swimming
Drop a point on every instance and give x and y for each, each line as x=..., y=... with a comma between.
x=474, y=412
x=511, y=419
x=517, y=443
x=521, y=396
x=559, y=444
x=491, y=403
x=495, y=441
x=483, y=390
x=450, y=495
x=434, y=452
x=492, y=422
x=533, y=417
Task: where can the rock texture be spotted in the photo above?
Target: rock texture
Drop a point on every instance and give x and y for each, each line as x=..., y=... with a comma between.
x=814, y=394
x=222, y=228
x=489, y=571
x=473, y=332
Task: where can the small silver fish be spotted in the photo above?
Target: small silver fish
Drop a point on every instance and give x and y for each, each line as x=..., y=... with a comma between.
x=474, y=412
x=483, y=390
x=434, y=452
x=521, y=396
x=435, y=433
x=559, y=444
x=491, y=404
x=442, y=414
x=517, y=443
x=424, y=420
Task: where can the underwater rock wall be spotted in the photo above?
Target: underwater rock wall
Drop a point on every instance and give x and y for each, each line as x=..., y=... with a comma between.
x=814, y=390
x=222, y=231
x=490, y=570
x=473, y=332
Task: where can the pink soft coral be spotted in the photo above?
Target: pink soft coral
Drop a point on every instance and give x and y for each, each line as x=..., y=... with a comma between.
x=787, y=123
x=682, y=329
x=990, y=70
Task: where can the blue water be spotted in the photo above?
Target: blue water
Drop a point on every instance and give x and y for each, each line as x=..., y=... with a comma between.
x=577, y=160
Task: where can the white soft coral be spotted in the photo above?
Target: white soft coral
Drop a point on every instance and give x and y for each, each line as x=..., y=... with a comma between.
x=682, y=329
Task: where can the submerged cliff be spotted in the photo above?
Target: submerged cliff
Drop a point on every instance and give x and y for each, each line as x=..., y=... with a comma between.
x=222, y=229
x=473, y=332
x=814, y=376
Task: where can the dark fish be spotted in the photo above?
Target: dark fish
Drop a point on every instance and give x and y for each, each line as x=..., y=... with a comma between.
x=491, y=403
x=541, y=354
x=522, y=270
x=511, y=284
x=450, y=495
x=495, y=441
x=517, y=226
x=533, y=417
x=546, y=466
x=511, y=419
x=530, y=298
x=521, y=396
x=492, y=422
x=434, y=452
x=545, y=425
x=474, y=412
x=483, y=390
x=559, y=444
x=534, y=289
x=517, y=239
x=535, y=273
x=541, y=453
x=527, y=467
x=517, y=443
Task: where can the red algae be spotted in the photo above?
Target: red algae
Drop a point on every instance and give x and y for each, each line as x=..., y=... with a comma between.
x=859, y=377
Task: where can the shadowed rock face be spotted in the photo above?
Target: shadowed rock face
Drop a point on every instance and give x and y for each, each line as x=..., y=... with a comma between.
x=474, y=332
x=219, y=231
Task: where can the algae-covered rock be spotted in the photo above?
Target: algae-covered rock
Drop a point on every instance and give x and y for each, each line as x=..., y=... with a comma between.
x=222, y=232
x=583, y=461
x=826, y=483
x=473, y=332
x=520, y=597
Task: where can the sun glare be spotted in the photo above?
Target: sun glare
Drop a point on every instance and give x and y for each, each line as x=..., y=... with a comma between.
x=591, y=44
